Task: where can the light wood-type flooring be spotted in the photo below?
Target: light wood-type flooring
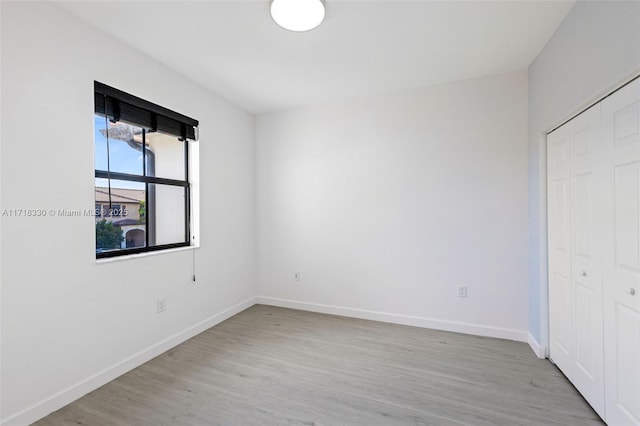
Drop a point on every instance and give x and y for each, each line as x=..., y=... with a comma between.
x=275, y=366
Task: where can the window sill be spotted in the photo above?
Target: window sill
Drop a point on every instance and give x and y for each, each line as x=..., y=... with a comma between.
x=147, y=254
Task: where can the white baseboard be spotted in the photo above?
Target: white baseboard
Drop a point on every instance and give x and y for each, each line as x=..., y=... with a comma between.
x=540, y=351
x=70, y=394
x=437, y=324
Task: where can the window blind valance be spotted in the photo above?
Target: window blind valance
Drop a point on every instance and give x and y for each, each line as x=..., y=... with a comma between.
x=117, y=105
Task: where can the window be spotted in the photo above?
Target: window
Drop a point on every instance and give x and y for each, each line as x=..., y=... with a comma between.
x=116, y=210
x=142, y=188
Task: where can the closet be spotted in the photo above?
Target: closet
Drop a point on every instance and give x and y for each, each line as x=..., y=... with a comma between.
x=593, y=189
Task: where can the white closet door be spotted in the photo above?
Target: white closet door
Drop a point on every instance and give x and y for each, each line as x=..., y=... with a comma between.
x=575, y=254
x=560, y=292
x=621, y=135
x=587, y=214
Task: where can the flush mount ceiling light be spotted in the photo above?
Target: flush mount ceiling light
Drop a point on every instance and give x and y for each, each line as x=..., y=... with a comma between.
x=298, y=15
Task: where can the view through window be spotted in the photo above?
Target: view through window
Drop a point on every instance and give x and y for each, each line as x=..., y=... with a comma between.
x=142, y=191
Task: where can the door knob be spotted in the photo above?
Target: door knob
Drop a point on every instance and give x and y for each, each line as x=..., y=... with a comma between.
x=632, y=291
x=583, y=273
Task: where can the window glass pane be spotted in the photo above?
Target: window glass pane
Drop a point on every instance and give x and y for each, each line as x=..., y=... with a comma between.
x=100, y=142
x=124, y=148
x=167, y=214
x=123, y=224
x=165, y=156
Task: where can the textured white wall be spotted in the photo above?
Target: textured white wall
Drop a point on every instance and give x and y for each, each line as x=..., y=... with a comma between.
x=68, y=323
x=387, y=204
x=595, y=48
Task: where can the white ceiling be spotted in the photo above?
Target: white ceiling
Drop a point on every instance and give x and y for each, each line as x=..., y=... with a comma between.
x=363, y=47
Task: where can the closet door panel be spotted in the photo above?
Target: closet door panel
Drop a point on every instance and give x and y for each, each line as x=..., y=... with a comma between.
x=559, y=219
x=624, y=390
x=575, y=255
x=621, y=135
x=626, y=178
x=586, y=256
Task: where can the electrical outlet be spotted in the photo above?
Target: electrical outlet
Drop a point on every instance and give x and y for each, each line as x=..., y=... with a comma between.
x=296, y=276
x=462, y=291
x=162, y=305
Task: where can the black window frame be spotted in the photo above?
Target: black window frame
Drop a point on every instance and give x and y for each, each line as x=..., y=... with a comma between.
x=116, y=105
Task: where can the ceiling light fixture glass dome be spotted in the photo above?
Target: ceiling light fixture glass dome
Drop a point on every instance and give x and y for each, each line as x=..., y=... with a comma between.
x=298, y=15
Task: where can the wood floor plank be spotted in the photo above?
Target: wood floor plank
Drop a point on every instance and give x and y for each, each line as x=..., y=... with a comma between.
x=276, y=366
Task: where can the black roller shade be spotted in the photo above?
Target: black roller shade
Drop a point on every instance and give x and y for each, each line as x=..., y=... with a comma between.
x=117, y=105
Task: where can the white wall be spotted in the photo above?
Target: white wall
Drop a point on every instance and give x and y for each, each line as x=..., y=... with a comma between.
x=595, y=48
x=385, y=205
x=69, y=324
